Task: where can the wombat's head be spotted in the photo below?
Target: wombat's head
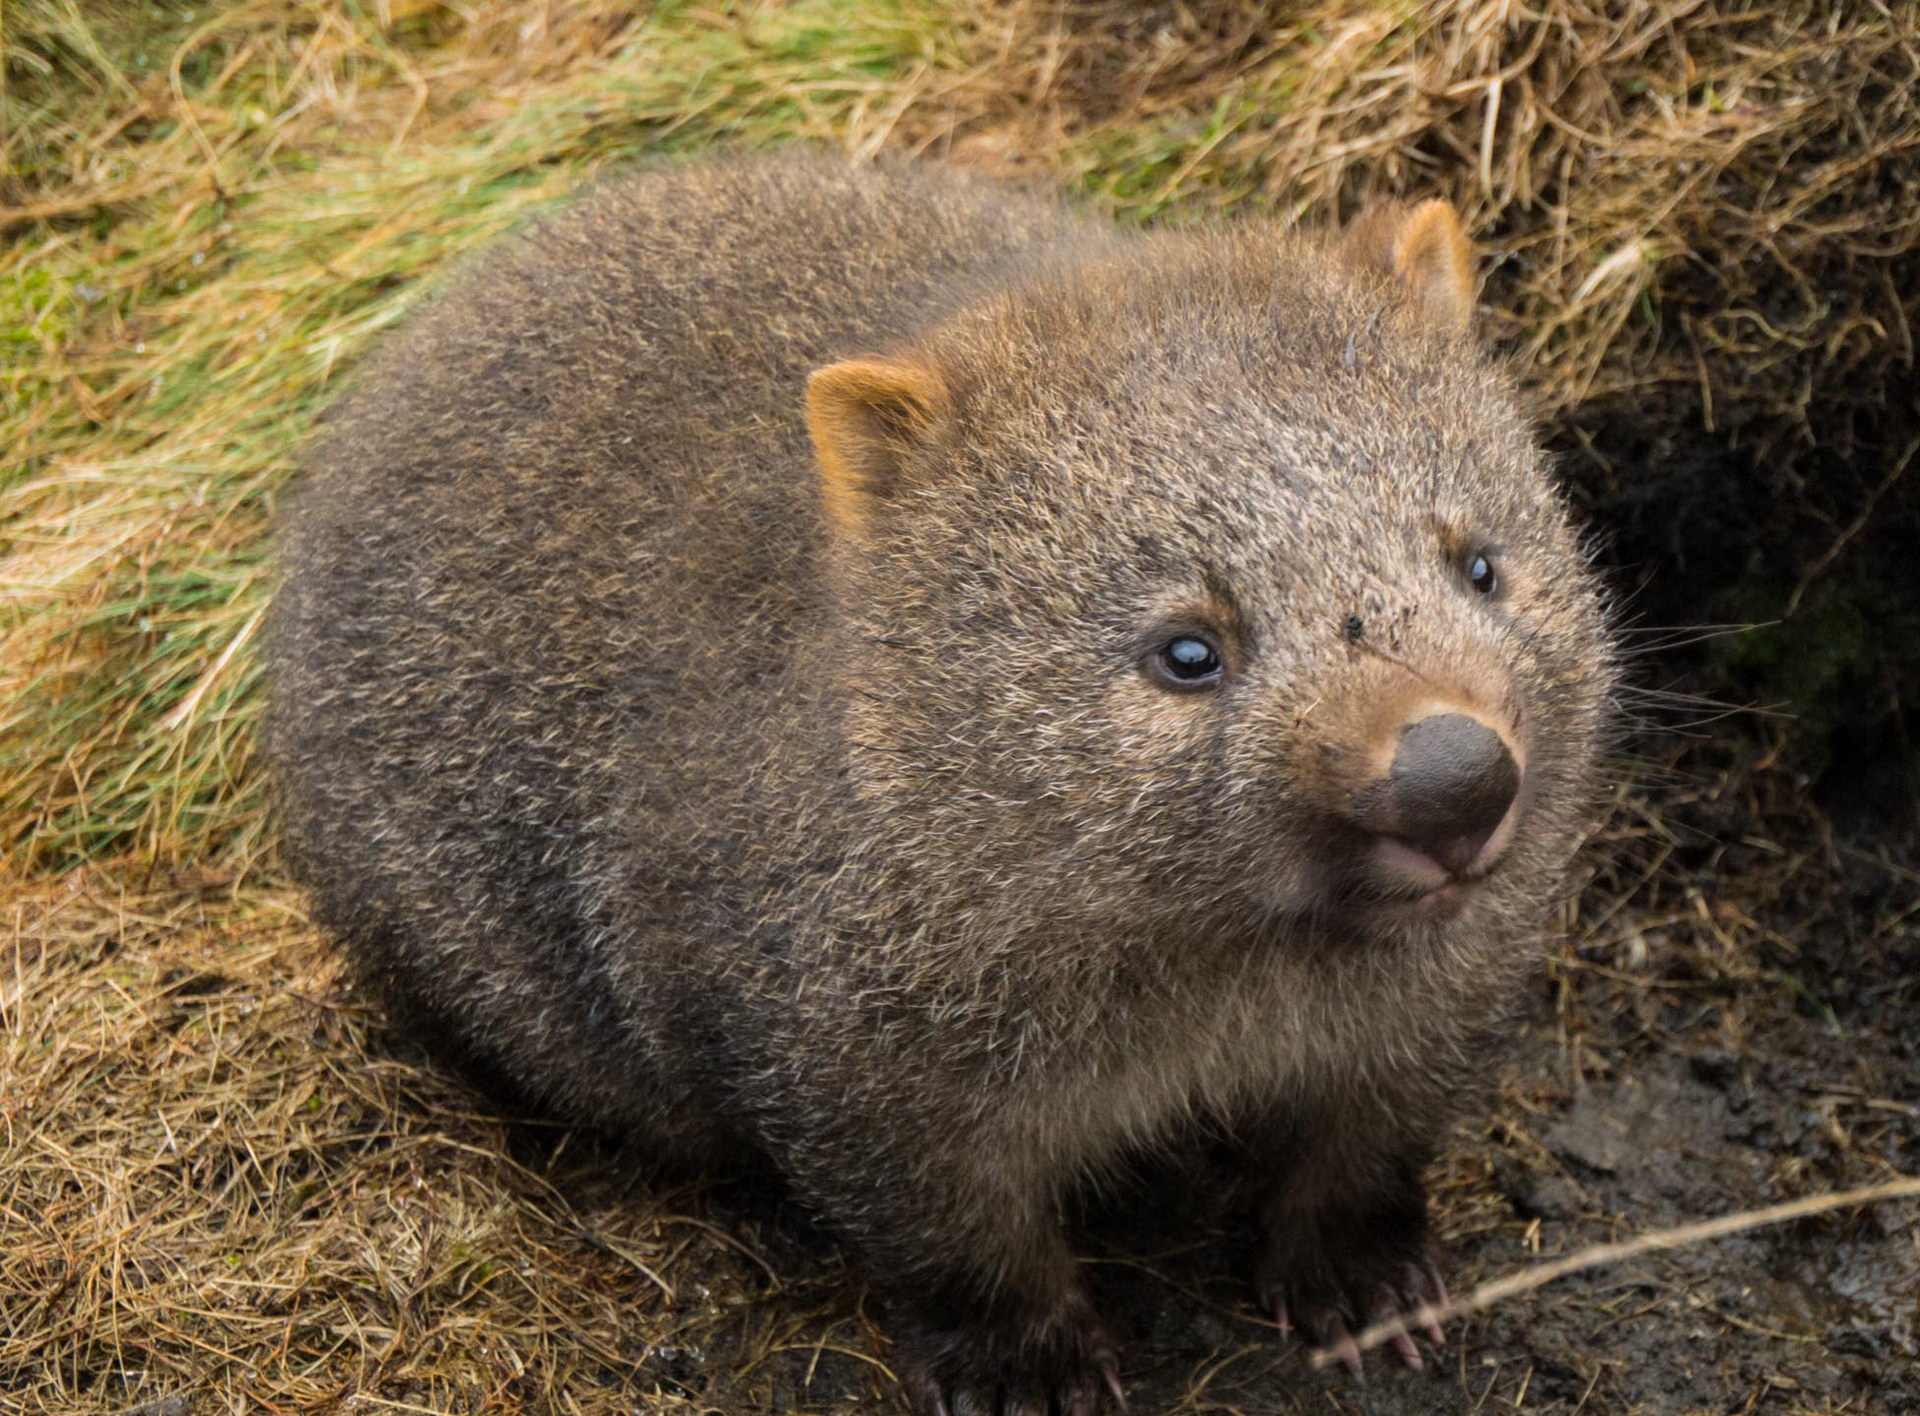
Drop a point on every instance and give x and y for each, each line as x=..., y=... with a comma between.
x=1221, y=578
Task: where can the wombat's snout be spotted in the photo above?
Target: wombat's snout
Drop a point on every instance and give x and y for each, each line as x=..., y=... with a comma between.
x=1449, y=785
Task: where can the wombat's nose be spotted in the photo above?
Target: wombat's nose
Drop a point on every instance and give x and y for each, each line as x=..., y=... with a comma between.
x=1449, y=787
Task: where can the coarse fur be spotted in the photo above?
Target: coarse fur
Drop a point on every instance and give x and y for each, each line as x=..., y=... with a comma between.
x=830, y=816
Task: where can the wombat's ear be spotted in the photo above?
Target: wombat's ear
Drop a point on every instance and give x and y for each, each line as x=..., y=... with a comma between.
x=863, y=415
x=1424, y=249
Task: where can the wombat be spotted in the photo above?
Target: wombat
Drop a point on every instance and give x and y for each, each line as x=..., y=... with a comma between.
x=868, y=670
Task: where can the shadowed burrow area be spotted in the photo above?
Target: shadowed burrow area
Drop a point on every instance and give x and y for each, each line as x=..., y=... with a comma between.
x=227, y=1184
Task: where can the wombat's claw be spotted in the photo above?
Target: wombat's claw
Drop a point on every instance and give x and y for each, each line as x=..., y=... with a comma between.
x=1323, y=1317
x=1086, y=1401
x=1425, y=1279
x=1417, y=1302
x=966, y=1401
x=1334, y=1335
x=1030, y=1393
x=1404, y=1349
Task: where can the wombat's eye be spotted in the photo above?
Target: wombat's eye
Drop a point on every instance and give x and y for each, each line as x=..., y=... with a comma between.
x=1481, y=574
x=1186, y=661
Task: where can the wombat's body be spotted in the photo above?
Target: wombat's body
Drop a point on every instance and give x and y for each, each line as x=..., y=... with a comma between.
x=868, y=805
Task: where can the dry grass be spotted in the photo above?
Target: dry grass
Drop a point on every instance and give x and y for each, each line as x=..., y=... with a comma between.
x=215, y=1185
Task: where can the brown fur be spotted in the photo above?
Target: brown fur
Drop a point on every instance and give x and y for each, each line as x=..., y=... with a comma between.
x=836, y=820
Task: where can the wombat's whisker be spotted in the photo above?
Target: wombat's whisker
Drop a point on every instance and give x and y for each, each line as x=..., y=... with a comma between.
x=1662, y=639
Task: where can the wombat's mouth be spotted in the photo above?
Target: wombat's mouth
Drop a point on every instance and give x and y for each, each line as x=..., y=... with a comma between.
x=1394, y=882
x=1435, y=906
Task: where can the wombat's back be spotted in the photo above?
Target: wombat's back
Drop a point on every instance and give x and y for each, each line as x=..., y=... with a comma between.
x=547, y=558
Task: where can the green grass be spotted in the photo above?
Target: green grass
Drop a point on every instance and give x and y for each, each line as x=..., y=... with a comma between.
x=167, y=350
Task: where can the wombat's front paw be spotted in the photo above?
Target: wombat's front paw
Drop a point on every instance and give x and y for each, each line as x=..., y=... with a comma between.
x=1009, y=1367
x=1330, y=1286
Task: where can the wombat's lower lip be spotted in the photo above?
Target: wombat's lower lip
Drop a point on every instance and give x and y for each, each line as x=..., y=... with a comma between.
x=1397, y=883
x=1443, y=903
x=1433, y=907
x=1400, y=866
